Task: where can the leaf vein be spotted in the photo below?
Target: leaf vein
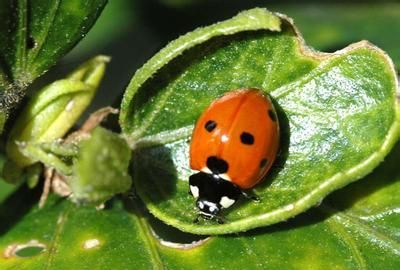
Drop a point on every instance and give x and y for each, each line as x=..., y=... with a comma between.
x=148, y=120
x=22, y=32
x=52, y=12
x=62, y=219
x=148, y=239
x=369, y=230
x=337, y=228
x=270, y=67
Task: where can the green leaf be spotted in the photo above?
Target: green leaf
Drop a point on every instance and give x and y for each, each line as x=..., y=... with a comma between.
x=34, y=35
x=329, y=106
x=101, y=169
x=53, y=110
x=355, y=228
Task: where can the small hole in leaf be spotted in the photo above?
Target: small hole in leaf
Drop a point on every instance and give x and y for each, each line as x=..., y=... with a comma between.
x=31, y=43
x=173, y=238
x=30, y=249
x=91, y=243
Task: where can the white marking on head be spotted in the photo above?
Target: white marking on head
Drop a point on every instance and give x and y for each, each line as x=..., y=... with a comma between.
x=210, y=204
x=225, y=177
x=201, y=205
x=225, y=202
x=195, y=191
x=206, y=170
x=212, y=208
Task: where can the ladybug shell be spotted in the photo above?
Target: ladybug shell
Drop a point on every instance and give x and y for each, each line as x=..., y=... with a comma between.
x=242, y=129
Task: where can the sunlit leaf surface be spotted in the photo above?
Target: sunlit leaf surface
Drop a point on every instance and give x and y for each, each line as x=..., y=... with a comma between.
x=329, y=106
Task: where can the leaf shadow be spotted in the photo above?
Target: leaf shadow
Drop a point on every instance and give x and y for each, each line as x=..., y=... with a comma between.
x=386, y=174
x=17, y=205
x=154, y=173
x=284, y=142
x=306, y=219
x=170, y=234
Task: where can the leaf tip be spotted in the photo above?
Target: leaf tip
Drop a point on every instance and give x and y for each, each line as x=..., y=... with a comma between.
x=261, y=16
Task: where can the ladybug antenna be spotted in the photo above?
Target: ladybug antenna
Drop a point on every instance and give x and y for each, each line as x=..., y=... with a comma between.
x=219, y=219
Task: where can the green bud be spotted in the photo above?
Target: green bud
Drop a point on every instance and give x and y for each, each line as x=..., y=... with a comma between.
x=52, y=111
x=101, y=169
x=38, y=152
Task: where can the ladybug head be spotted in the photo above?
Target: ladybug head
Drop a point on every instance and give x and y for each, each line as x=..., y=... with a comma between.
x=207, y=208
x=212, y=193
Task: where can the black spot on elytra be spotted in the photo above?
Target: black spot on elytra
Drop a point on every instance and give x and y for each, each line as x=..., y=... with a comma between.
x=272, y=115
x=247, y=138
x=217, y=165
x=263, y=162
x=210, y=125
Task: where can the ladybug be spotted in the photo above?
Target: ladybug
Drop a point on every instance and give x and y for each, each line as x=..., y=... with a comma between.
x=234, y=144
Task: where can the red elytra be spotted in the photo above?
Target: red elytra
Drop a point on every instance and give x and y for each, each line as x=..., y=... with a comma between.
x=242, y=129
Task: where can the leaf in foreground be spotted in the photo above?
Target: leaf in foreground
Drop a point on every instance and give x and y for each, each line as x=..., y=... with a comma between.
x=338, y=115
x=355, y=228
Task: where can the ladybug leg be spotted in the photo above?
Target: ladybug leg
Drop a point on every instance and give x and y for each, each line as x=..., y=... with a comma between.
x=250, y=196
x=197, y=219
x=278, y=166
x=219, y=219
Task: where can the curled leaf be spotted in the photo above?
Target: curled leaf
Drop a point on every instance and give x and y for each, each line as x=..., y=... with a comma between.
x=338, y=116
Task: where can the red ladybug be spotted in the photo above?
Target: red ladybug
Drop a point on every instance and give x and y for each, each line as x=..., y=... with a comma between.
x=234, y=143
